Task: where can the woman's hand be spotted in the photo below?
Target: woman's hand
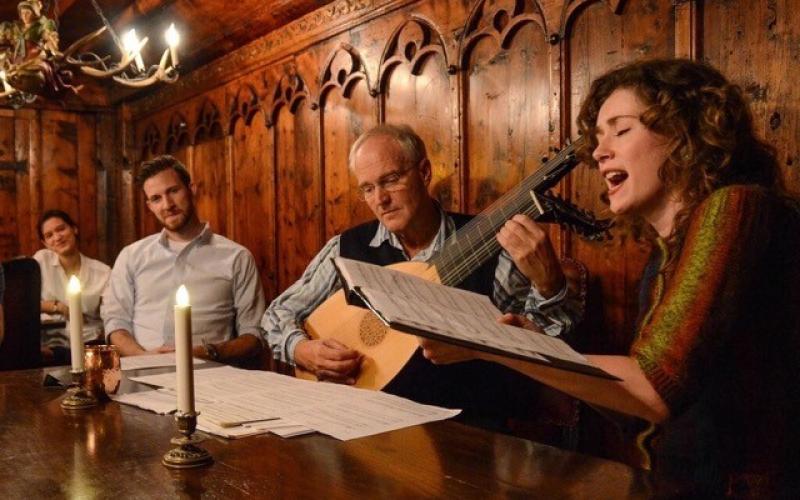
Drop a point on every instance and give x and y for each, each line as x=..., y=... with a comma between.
x=441, y=353
x=55, y=307
x=520, y=321
x=62, y=309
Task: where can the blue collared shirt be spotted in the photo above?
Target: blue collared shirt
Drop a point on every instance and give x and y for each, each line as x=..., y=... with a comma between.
x=224, y=289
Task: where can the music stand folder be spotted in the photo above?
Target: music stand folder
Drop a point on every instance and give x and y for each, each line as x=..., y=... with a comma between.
x=419, y=307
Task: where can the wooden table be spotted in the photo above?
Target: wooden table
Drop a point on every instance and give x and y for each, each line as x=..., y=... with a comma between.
x=114, y=451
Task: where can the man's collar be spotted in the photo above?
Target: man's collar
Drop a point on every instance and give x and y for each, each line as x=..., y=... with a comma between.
x=446, y=226
x=203, y=237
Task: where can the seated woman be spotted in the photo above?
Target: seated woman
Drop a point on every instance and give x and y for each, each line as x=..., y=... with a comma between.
x=715, y=358
x=58, y=261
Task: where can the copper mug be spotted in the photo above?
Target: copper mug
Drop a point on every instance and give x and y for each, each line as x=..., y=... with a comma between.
x=103, y=373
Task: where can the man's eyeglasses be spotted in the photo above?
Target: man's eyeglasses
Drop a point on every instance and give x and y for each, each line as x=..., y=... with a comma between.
x=396, y=181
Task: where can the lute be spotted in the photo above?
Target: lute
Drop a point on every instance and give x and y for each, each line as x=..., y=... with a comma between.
x=386, y=351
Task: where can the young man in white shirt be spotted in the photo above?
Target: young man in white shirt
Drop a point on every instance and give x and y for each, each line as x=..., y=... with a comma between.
x=225, y=291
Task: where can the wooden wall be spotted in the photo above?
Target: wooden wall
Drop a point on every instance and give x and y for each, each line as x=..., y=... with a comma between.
x=491, y=85
x=53, y=158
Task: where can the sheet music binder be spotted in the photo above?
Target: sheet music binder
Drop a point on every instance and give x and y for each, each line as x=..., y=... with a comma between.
x=416, y=306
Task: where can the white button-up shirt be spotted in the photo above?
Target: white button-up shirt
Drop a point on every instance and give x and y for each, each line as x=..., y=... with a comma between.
x=224, y=290
x=94, y=278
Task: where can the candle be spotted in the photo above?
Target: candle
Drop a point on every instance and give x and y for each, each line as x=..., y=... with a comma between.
x=132, y=45
x=173, y=39
x=75, y=323
x=6, y=86
x=183, y=351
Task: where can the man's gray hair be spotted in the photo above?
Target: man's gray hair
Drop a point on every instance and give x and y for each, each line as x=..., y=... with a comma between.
x=410, y=143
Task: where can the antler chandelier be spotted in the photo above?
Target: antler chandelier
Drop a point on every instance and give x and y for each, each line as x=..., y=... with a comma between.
x=32, y=65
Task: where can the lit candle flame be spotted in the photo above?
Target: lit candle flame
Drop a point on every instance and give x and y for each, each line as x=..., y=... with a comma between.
x=74, y=285
x=182, y=297
x=131, y=43
x=6, y=86
x=173, y=37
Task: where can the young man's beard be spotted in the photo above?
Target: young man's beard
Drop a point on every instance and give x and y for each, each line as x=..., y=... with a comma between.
x=187, y=217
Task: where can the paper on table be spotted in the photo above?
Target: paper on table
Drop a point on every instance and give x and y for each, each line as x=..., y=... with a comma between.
x=368, y=413
x=341, y=411
x=282, y=428
x=159, y=401
x=151, y=361
x=227, y=432
x=231, y=414
x=279, y=427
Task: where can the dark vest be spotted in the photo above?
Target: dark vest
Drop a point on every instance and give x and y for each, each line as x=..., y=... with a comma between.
x=487, y=392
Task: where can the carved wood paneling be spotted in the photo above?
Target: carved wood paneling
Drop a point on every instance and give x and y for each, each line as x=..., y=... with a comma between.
x=151, y=141
x=67, y=174
x=244, y=106
x=299, y=182
x=9, y=235
x=506, y=90
x=347, y=108
x=208, y=125
x=27, y=203
x=209, y=167
x=88, y=178
x=254, y=194
x=417, y=84
x=758, y=45
x=60, y=151
x=177, y=133
x=210, y=177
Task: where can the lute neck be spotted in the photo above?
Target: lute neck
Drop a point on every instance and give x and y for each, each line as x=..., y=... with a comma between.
x=468, y=248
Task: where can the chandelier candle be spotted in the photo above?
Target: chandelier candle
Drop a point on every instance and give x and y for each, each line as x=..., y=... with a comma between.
x=173, y=39
x=75, y=323
x=183, y=352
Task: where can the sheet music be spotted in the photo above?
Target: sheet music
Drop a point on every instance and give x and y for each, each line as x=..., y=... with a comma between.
x=405, y=287
x=251, y=398
x=366, y=413
x=151, y=361
x=453, y=315
x=468, y=327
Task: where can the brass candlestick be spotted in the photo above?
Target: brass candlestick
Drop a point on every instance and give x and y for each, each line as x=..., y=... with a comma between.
x=78, y=398
x=187, y=454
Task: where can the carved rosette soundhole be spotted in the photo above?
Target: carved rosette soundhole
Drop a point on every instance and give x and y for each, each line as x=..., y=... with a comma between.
x=372, y=330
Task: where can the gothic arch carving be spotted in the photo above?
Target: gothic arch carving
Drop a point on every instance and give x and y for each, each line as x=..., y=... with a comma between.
x=209, y=124
x=151, y=141
x=499, y=20
x=244, y=106
x=290, y=92
x=343, y=70
x=177, y=133
x=569, y=10
x=412, y=42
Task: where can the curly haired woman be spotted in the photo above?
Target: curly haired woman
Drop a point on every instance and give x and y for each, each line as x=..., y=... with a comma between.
x=714, y=363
